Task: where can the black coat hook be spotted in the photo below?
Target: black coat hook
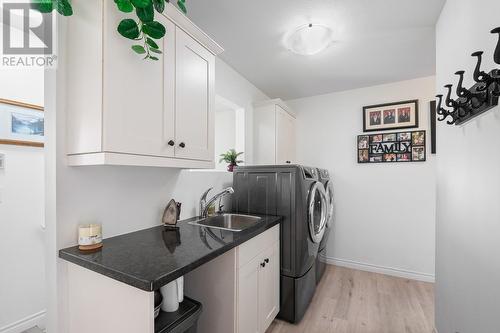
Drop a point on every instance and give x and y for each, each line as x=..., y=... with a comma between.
x=479, y=76
x=496, y=56
x=448, y=101
x=442, y=111
x=461, y=91
x=439, y=110
x=479, y=98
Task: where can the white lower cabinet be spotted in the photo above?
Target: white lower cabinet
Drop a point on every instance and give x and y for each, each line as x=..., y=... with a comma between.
x=248, y=297
x=257, y=298
x=269, y=288
x=239, y=291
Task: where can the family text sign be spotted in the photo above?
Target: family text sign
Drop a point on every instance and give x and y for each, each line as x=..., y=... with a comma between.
x=406, y=146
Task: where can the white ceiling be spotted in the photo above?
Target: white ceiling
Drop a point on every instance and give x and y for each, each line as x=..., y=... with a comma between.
x=377, y=41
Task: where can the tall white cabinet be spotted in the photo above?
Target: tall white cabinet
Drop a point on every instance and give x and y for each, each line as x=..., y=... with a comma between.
x=123, y=110
x=274, y=133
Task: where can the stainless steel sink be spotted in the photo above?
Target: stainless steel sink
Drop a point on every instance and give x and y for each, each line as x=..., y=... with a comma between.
x=231, y=222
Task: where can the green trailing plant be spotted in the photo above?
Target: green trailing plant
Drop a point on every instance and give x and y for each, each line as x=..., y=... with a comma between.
x=145, y=30
x=231, y=157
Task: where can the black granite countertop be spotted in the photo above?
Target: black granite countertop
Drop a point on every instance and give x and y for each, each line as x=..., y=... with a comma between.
x=150, y=258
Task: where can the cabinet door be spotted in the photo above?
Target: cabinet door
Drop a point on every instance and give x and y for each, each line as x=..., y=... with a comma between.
x=134, y=118
x=269, y=287
x=285, y=137
x=194, y=99
x=248, y=297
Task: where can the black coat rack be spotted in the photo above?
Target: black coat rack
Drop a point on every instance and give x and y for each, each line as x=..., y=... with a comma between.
x=481, y=97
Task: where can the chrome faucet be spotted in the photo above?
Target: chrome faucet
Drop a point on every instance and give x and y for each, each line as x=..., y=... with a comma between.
x=204, y=204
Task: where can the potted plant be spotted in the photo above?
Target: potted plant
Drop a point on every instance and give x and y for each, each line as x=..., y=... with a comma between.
x=231, y=157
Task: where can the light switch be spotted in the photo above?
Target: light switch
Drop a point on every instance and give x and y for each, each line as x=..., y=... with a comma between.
x=2, y=161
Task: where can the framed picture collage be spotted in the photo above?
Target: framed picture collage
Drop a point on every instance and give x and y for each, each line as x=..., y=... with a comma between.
x=392, y=147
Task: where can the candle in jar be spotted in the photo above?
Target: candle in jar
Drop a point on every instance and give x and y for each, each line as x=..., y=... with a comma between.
x=89, y=236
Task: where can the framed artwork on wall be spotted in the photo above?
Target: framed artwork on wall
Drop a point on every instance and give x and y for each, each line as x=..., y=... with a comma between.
x=392, y=147
x=390, y=116
x=21, y=124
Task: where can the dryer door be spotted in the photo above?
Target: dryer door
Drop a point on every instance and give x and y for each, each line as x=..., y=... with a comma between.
x=317, y=211
x=329, y=198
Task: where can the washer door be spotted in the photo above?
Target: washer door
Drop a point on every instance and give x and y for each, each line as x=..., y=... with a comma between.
x=317, y=211
x=329, y=199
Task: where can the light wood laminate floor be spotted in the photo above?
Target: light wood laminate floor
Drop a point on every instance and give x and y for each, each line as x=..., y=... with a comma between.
x=352, y=301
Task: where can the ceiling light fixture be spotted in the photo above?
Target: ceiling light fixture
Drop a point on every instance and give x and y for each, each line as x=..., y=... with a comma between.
x=309, y=39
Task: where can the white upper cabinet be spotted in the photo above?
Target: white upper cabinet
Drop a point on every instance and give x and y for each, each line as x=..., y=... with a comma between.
x=134, y=117
x=194, y=99
x=123, y=110
x=274, y=133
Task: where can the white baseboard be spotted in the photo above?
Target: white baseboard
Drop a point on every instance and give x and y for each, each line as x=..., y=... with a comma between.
x=37, y=319
x=402, y=273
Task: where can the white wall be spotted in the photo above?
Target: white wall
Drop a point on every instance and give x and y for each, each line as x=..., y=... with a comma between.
x=385, y=213
x=123, y=199
x=22, y=277
x=468, y=181
x=225, y=134
x=230, y=130
x=238, y=90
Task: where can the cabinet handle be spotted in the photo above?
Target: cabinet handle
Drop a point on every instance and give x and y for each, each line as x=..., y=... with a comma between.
x=263, y=264
x=182, y=145
x=171, y=143
x=266, y=260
